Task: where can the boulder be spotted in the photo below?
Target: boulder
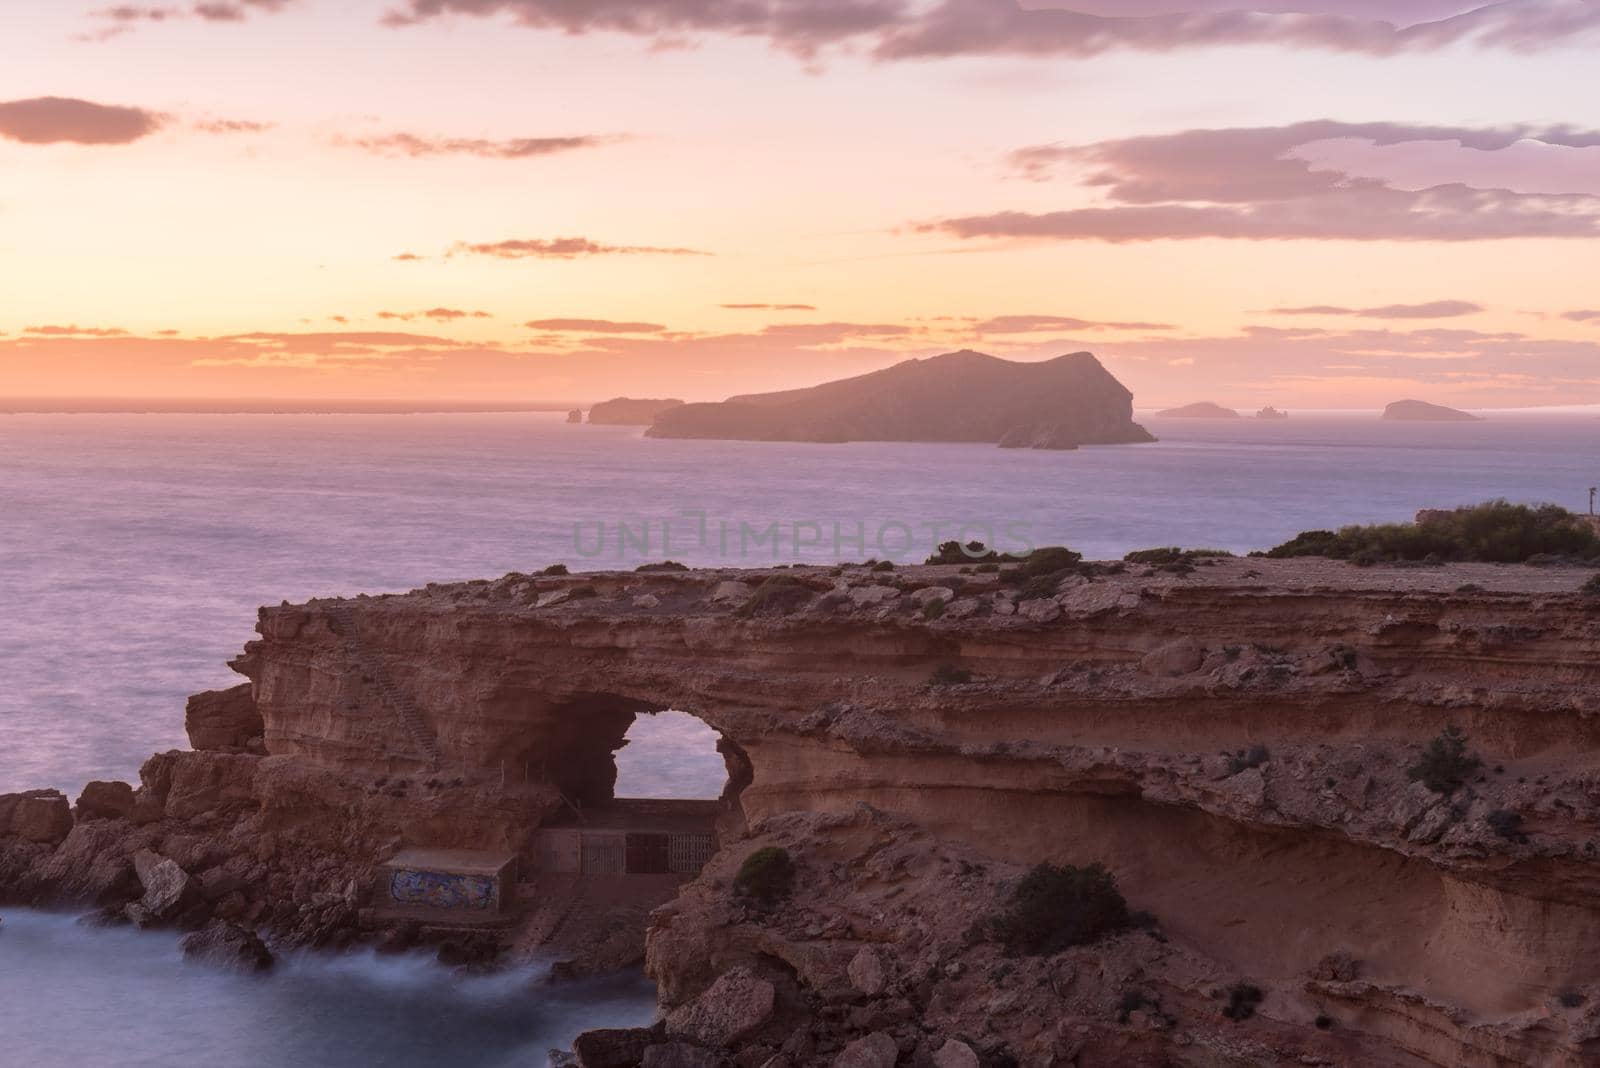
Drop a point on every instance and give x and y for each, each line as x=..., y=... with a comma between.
x=955, y=1054
x=928, y=594
x=91, y=864
x=867, y=973
x=732, y=1008
x=614, y=1047
x=682, y=1055
x=207, y=782
x=222, y=719
x=1175, y=658
x=227, y=945
x=106, y=800
x=43, y=816
x=877, y=1050
x=218, y=883
x=730, y=593
x=166, y=886
x=871, y=596
x=1039, y=610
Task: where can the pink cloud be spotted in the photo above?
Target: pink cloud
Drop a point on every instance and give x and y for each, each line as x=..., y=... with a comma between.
x=901, y=29
x=594, y=326
x=563, y=248
x=53, y=119
x=436, y=314
x=1439, y=309
x=74, y=331
x=1249, y=183
x=1025, y=324
x=414, y=147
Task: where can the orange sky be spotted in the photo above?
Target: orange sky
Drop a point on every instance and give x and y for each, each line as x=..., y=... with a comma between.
x=1326, y=205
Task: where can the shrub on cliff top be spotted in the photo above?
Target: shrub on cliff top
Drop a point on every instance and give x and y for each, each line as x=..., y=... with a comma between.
x=766, y=877
x=1494, y=532
x=665, y=565
x=1242, y=1001
x=556, y=569
x=1050, y=560
x=953, y=552
x=1445, y=764
x=1054, y=908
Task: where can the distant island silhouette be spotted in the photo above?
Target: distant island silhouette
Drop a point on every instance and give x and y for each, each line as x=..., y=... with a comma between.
x=630, y=411
x=1199, y=410
x=961, y=396
x=1415, y=411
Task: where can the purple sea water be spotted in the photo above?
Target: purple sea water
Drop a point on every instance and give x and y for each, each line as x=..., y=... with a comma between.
x=134, y=550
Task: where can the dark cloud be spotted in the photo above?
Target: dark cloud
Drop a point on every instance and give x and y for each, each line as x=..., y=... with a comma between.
x=594, y=326
x=1248, y=183
x=414, y=147
x=74, y=331
x=123, y=18
x=1027, y=324
x=238, y=10
x=1006, y=27
x=1439, y=309
x=131, y=13
x=563, y=248
x=769, y=307
x=900, y=29
x=800, y=26
x=51, y=119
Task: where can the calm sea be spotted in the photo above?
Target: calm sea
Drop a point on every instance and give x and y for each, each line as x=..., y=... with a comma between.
x=134, y=550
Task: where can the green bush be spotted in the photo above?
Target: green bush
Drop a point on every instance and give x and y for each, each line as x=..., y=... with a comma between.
x=766, y=877
x=1445, y=765
x=1507, y=825
x=953, y=552
x=556, y=569
x=1494, y=532
x=1242, y=1001
x=1054, y=908
x=665, y=565
x=1050, y=560
x=932, y=610
x=582, y=593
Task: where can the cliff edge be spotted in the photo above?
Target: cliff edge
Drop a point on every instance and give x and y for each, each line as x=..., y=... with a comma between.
x=1259, y=753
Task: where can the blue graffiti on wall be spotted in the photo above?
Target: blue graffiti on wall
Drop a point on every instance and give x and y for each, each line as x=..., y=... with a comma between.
x=441, y=890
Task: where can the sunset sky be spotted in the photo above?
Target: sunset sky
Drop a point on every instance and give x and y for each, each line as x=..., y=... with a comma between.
x=1313, y=204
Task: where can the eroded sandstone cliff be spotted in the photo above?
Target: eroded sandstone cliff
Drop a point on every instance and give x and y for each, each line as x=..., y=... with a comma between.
x=1232, y=742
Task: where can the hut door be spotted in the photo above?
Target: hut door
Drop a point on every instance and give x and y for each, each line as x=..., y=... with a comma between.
x=647, y=854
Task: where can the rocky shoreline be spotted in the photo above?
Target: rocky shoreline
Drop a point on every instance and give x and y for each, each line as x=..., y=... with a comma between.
x=1235, y=740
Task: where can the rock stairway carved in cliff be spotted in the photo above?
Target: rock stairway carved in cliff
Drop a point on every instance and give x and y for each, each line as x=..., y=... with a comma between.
x=417, y=728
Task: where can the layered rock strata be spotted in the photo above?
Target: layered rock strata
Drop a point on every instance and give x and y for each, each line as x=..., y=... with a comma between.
x=1234, y=742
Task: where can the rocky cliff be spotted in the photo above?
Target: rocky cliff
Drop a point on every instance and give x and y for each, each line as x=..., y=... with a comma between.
x=1234, y=742
x=960, y=396
x=630, y=411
